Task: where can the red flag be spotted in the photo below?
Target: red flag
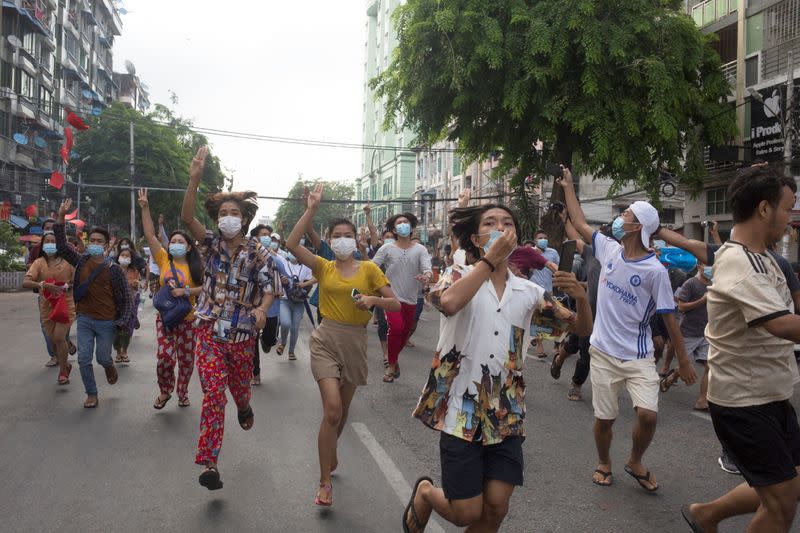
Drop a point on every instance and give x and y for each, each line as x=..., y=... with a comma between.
x=5, y=210
x=64, y=154
x=70, y=216
x=79, y=224
x=56, y=179
x=31, y=211
x=76, y=122
x=70, y=139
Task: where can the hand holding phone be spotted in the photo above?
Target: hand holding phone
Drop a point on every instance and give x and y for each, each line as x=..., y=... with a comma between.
x=567, y=256
x=555, y=170
x=355, y=294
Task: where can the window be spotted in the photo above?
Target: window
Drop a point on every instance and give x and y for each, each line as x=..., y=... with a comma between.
x=751, y=71
x=46, y=60
x=666, y=216
x=4, y=123
x=71, y=44
x=6, y=75
x=716, y=201
x=27, y=86
x=45, y=100
x=29, y=43
x=84, y=62
x=456, y=164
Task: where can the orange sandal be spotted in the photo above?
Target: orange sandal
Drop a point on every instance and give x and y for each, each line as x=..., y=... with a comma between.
x=324, y=487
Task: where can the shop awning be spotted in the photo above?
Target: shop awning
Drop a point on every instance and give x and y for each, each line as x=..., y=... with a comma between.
x=18, y=221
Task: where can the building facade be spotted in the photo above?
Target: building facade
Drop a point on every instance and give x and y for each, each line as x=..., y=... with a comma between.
x=387, y=167
x=131, y=91
x=54, y=55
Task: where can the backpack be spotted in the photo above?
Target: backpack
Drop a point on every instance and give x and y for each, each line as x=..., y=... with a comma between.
x=296, y=293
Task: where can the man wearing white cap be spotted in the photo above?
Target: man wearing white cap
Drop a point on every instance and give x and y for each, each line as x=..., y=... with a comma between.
x=633, y=286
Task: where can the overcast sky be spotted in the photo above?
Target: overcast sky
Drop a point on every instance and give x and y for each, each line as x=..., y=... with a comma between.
x=289, y=69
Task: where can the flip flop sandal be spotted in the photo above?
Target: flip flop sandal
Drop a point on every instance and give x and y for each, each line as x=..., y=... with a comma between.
x=605, y=475
x=555, y=368
x=279, y=349
x=72, y=349
x=125, y=359
x=410, y=508
x=687, y=515
x=118, y=359
x=210, y=478
x=184, y=402
x=385, y=363
x=388, y=378
x=63, y=379
x=161, y=404
x=574, y=395
x=641, y=479
x=292, y=357
x=246, y=417
x=667, y=381
x=327, y=487
x=91, y=404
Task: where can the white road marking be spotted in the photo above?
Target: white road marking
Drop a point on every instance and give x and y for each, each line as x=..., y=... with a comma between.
x=701, y=414
x=390, y=470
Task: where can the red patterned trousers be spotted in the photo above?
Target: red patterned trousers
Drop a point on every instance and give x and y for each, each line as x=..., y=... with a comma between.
x=219, y=365
x=175, y=346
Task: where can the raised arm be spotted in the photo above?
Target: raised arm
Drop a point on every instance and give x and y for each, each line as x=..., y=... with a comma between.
x=306, y=221
x=373, y=233
x=574, y=207
x=573, y=234
x=713, y=232
x=162, y=232
x=147, y=224
x=67, y=252
x=699, y=249
x=313, y=236
x=196, y=228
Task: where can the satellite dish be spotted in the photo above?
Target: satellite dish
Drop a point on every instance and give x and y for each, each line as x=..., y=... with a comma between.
x=130, y=67
x=14, y=40
x=86, y=93
x=20, y=139
x=39, y=142
x=122, y=11
x=96, y=110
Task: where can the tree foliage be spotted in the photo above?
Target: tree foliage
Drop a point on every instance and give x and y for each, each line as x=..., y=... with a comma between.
x=623, y=88
x=290, y=211
x=164, y=145
x=10, y=249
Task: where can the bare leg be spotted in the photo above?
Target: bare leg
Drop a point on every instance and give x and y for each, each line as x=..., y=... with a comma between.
x=58, y=338
x=670, y=354
x=702, y=399
x=461, y=513
x=643, y=431
x=603, y=433
x=326, y=441
x=496, y=495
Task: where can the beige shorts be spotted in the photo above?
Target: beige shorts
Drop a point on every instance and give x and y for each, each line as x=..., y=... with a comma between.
x=610, y=374
x=339, y=351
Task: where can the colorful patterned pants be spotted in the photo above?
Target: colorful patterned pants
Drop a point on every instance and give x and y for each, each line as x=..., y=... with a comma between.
x=175, y=346
x=220, y=364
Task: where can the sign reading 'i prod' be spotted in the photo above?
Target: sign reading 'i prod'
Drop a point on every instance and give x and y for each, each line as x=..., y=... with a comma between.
x=766, y=133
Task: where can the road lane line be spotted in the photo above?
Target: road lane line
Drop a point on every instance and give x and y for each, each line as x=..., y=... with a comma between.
x=700, y=414
x=390, y=470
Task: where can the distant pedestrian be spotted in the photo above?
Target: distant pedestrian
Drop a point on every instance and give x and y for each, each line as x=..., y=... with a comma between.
x=122, y=340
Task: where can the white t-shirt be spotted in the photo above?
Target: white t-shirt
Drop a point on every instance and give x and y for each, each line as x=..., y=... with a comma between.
x=302, y=272
x=628, y=294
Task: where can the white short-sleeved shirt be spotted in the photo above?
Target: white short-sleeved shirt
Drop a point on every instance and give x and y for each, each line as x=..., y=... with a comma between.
x=628, y=294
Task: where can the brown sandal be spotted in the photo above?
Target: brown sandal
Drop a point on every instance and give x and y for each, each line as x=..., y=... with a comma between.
x=111, y=374
x=160, y=404
x=91, y=402
x=388, y=378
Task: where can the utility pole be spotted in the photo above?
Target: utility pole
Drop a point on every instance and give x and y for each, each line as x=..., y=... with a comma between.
x=788, y=122
x=133, y=199
x=80, y=182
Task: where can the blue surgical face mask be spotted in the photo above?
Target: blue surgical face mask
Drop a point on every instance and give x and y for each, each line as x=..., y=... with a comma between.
x=403, y=229
x=95, y=249
x=708, y=272
x=266, y=241
x=542, y=244
x=49, y=248
x=177, y=249
x=617, y=228
x=273, y=245
x=388, y=240
x=493, y=236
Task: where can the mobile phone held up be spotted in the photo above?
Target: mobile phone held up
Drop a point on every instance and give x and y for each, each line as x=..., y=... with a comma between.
x=355, y=294
x=554, y=170
x=567, y=256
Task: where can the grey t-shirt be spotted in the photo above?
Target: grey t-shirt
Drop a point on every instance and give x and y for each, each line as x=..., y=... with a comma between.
x=592, y=267
x=693, y=323
x=401, y=268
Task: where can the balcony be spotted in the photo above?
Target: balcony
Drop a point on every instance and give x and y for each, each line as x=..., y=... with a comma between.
x=729, y=71
x=774, y=59
x=710, y=11
x=25, y=108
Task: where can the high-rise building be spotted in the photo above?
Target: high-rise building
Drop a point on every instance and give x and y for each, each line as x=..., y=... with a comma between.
x=387, y=167
x=54, y=55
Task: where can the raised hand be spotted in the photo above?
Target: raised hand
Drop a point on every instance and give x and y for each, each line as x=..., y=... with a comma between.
x=367, y=209
x=464, y=197
x=315, y=197
x=143, y=202
x=567, y=282
x=198, y=164
x=566, y=180
x=161, y=219
x=63, y=209
x=502, y=246
x=306, y=192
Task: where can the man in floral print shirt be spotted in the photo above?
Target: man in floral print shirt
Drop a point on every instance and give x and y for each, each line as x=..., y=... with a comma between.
x=475, y=394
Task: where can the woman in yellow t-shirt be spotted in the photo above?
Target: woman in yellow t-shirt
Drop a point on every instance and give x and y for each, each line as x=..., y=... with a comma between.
x=176, y=344
x=338, y=347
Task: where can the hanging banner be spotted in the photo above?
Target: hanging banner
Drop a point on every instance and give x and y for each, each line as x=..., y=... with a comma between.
x=766, y=133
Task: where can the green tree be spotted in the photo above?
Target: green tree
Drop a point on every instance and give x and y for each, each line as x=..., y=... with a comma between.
x=620, y=88
x=10, y=249
x=164, y=145
x=290, y=211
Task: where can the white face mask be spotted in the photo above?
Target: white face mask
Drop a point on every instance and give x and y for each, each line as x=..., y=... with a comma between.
x=343, y=247
x=124, y=261
x=229, y=226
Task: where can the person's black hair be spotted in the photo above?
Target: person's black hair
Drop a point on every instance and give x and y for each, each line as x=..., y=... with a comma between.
x=40, y=245
x=465, y=222
x=48, y=221
x=390, y=223
x=754, y=185
x=125, y=240
x=254, y=232
x=796, y=267
x=529, y=241
x=538, y=231
x=101, y=231
x=448, y=249
x=193, y=257
x=341, y=222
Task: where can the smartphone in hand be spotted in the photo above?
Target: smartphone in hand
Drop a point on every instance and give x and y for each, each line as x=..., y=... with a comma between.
x=567, y=256
x=355, y=294
x=554, y=170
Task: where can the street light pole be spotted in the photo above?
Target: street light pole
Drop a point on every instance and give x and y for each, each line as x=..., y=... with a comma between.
x=788, y=122
x=133, y=199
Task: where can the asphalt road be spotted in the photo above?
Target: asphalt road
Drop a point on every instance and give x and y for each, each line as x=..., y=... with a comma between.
x=127, y=467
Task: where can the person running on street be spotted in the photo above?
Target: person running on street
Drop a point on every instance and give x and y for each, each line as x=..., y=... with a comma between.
x=103, y=300
x=176, y=346
x=420, y=299
x=751, y=332
x=633, y=286
x=407, y=266
x=230, y=310
x=35, y=253
x=338, y=346
x=475, y=393
x=122, y=340
x=52, y=276
x=267, y=337
x=379, y=314
x=293, y=302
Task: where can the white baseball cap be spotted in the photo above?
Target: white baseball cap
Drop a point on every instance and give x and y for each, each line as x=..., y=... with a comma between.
x=276, y=236
x=647, y=215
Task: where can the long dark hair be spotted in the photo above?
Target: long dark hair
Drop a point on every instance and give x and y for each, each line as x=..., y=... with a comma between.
x=465, y=222
x=193, y=257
